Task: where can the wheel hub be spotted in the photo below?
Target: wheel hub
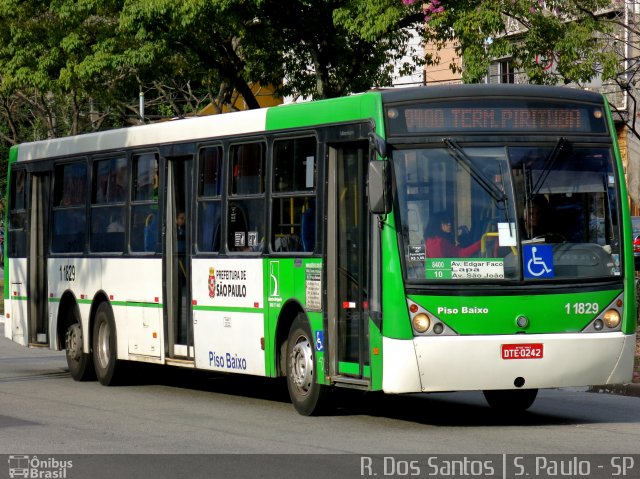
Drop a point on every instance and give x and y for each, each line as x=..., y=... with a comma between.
x=104, y=351
x=73, y=342
x=302, y=365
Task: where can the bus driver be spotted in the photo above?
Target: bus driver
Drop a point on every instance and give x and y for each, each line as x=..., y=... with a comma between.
x=440, y=242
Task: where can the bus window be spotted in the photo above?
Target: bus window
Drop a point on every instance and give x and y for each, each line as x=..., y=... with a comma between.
x=245, y=225
x=145, y=216
x=293, y=213
x=209, y=199
x=455, y=204
x=573, y=189
x=245, y=214
x=107, y=217
x=247, y=167
x=69, y=213
x=17, y=215
x=109, y=181
x=294, y=165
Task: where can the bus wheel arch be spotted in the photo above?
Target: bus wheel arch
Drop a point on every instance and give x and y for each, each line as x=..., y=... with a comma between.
x=287, y=316
x=307, y=395
x=70, y=336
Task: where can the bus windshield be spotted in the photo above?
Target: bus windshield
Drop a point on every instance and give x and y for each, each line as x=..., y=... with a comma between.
x=521, y=213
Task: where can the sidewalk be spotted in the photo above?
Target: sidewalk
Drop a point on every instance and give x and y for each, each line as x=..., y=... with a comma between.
x=628, y=389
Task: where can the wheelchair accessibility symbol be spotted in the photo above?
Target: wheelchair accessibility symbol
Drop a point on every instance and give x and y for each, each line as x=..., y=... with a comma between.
x=319, y=341
x=538, y=261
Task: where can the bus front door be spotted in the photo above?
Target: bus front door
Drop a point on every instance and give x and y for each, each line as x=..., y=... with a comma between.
x=347, y=264
x=37, y=303
x=177, y=259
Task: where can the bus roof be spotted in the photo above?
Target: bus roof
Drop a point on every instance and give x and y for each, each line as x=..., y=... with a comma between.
x=297, y=115
x=494, y=90
x=360, y=107
x=169, y=132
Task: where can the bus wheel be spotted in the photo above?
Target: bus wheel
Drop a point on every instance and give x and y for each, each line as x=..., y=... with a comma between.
x=105, y=352
x=307, y=396
x=511, y=400
x=80, y=364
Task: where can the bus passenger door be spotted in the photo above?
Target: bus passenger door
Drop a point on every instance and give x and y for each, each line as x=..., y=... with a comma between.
x=37, y=303
x=347, y=264
x=177, y=258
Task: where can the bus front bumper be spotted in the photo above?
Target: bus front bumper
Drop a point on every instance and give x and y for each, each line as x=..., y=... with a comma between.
x=457, y=363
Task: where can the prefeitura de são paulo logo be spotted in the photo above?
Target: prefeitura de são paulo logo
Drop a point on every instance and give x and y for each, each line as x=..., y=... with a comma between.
x=212, y=282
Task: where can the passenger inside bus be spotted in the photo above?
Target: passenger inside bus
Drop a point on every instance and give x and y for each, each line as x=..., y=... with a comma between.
x=440, y=241
x=150, y=233
x=181, y=232
x=536, y=217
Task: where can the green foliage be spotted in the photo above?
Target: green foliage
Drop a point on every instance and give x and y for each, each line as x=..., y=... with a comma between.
x=71, y=66
x=562, y=31
x=370, y=20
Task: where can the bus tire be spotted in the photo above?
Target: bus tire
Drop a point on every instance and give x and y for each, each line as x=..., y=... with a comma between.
x=105, y=349
x=308, y=397
x=511, y=400
x=80, y=363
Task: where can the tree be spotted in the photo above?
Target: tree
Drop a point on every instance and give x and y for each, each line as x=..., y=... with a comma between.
x=342, y=53
x=586, y=41
x=72, y=66
x=303, y=48
x=51, y=74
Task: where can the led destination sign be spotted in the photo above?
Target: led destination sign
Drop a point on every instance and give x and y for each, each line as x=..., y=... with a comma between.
x=479, y=116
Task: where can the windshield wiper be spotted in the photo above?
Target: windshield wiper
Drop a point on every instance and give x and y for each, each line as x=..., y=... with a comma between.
x=465, y=161
x=548, y=164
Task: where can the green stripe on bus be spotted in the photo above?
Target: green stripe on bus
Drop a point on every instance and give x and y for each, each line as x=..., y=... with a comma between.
x=134, y=304
x=13, y=157
x=228, y=309
x=130, y=304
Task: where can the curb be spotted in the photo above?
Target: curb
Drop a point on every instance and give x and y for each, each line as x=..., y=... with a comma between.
x=629, y=389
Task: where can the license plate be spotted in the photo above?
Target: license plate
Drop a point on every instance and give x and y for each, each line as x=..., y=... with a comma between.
x=522, y=351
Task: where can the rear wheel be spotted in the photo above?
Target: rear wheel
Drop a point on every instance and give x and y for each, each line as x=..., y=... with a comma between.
x=308, y=397
x=80, y=363
x=511, y=400
x=105, y=350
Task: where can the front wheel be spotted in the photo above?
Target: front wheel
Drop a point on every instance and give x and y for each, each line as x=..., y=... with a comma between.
x=308, y=397
x=511, y=400
x=105, y=350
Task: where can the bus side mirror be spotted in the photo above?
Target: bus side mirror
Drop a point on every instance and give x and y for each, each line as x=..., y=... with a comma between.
x=378, y=186
x=377, y=144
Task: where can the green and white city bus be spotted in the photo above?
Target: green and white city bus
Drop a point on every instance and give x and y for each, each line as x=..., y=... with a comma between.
x=466, y=237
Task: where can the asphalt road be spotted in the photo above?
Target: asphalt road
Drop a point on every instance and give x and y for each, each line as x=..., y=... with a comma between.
x=173, y=411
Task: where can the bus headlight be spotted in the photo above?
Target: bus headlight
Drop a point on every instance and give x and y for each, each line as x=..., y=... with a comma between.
x=421, y=323
x=611, y=318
